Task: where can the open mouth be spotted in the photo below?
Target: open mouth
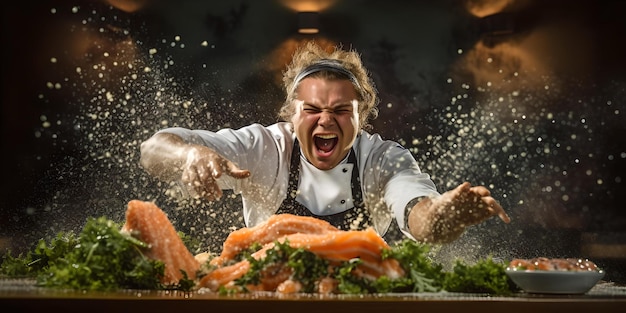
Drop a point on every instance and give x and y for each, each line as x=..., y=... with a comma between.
x=326, y=143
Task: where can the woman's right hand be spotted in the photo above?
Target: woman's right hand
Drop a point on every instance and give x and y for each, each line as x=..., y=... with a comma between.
x=169, y=158
x=203, y=167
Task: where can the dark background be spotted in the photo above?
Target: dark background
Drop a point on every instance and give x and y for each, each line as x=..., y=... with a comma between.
x=525, y=97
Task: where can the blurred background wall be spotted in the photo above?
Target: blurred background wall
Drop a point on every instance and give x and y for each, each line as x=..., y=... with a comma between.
x=523, y=96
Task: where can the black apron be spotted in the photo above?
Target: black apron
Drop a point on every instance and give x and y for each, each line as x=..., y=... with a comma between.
x=342, y=220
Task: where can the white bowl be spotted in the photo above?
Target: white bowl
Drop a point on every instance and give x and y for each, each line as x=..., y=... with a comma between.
x=555, y=282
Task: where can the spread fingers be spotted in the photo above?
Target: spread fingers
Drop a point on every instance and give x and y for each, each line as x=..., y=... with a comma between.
x=494, y=207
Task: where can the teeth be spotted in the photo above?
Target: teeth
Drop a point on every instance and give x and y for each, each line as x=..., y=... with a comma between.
x=331, y=136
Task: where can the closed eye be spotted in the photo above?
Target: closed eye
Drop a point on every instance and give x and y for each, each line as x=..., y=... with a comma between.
x=343, y=109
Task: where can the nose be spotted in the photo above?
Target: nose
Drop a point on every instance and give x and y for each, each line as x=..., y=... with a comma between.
x=326, y=118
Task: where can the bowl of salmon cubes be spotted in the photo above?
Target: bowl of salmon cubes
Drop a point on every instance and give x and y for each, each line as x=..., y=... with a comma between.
x=554, y=275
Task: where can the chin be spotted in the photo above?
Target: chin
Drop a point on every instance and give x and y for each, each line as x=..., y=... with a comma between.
x=324, y=165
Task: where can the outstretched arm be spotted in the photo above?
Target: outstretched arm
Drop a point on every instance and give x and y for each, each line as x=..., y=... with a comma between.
x=444, y=218
x=168, y=157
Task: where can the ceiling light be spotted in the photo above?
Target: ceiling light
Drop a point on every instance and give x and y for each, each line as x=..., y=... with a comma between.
x=308, y=22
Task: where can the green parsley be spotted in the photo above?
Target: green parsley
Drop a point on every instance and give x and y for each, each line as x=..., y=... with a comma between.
x=101, y=257
x=485, y=276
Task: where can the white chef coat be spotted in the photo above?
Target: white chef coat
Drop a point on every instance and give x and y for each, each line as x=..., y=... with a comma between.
x=390, y=176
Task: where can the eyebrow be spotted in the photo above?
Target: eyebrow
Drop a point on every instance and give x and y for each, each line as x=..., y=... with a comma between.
x=338, y=106
x=344, y=105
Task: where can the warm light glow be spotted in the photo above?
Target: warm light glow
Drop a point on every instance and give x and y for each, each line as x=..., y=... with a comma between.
x=548, y=51
x=482, y=8
x=282, y=54
x=128, y=6
x=308, y=5
x=308, y=30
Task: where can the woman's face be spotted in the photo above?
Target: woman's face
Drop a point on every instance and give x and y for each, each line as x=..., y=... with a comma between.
x=326, y=120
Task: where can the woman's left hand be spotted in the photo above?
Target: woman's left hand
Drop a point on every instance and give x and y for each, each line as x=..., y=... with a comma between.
x=468, y=205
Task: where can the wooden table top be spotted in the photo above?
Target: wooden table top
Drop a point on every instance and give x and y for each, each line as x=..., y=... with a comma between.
x=23, y=296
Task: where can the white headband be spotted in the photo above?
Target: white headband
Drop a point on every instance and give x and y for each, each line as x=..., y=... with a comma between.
x=324, y=65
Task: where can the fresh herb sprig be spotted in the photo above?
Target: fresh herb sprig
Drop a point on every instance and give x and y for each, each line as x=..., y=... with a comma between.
x=104, y=258
x=424, y=275
x=484, y=276
x=101, y=257
x=33, y=262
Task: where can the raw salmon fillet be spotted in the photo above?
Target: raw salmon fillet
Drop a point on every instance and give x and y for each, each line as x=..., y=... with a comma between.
x=366, y=245
x=310, y=234
x=275, y=227
x=148, y=223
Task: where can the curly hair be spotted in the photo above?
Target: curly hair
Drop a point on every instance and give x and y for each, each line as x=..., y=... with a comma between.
x=311, y=53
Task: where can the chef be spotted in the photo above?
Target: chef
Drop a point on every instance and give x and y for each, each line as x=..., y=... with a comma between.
x=320, y=160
